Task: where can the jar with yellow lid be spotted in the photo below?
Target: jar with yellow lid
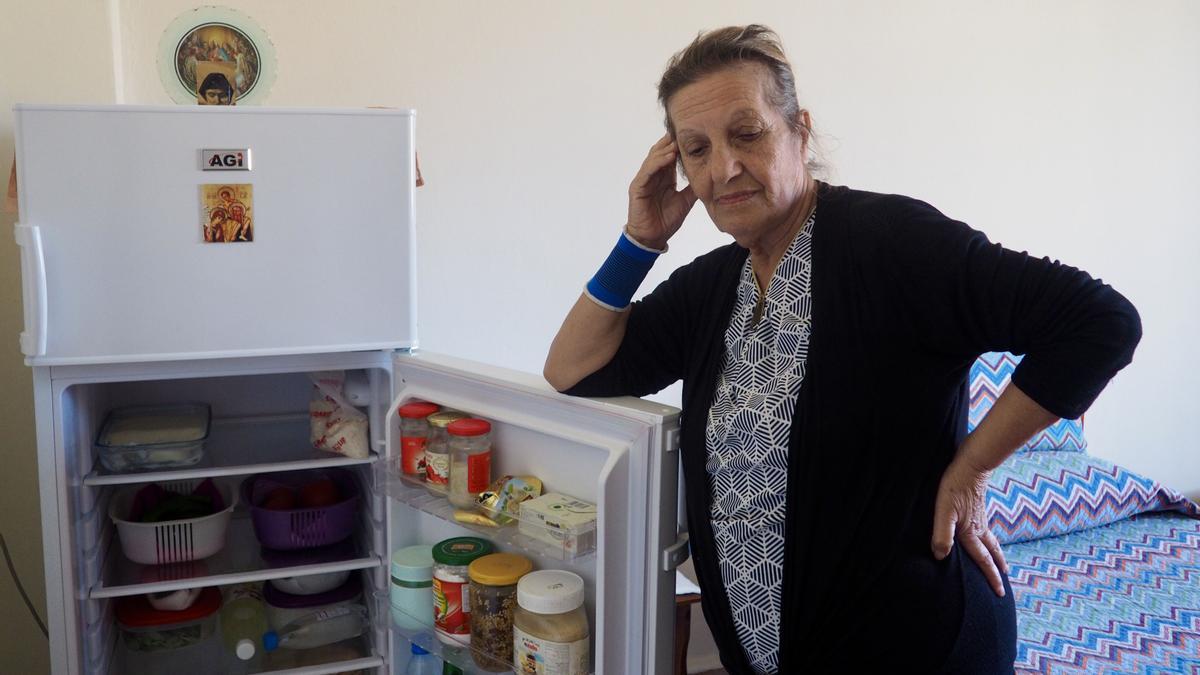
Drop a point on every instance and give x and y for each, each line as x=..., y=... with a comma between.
x=437, y=451
x=493, y=592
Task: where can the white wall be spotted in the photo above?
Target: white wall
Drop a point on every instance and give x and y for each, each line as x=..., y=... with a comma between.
x=1064, y=128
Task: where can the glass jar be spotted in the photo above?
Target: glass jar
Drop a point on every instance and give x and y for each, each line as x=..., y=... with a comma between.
x=451, y=599
x=437, y=451
x=550, y=625
x=414, y=434
x=493, y=598
x=412, y=587
x=470, y=460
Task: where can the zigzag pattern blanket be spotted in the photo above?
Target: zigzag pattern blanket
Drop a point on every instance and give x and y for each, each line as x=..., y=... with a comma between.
x=1120, y=598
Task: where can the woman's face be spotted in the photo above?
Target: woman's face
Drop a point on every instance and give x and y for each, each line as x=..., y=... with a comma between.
x=738, y=152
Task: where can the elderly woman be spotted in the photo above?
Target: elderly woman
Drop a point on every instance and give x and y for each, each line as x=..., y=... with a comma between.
x=835, y=502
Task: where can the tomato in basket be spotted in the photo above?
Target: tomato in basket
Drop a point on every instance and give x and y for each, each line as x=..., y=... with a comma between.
x=280, y=499
x=323, y=492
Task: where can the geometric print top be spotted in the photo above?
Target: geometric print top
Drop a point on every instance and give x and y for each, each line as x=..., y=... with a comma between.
x=747, y=443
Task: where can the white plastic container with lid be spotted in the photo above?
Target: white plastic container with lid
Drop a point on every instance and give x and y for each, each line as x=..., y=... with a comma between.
x=284, y=608
x=550, y=624
x=412, y=587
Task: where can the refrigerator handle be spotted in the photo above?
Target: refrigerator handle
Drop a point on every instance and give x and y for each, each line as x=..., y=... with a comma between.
x=33, y=289
x=676, y=553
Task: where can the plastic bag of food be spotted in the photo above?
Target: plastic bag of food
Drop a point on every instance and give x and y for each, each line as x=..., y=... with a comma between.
x=335, y=424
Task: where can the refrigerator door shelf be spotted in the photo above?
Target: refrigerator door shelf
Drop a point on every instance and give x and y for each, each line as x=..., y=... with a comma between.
x=408, y=630
x=240, y=560
x=239, y=446
x=509, y=536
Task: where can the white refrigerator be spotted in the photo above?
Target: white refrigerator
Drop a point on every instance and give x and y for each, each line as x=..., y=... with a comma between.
x=127, y=302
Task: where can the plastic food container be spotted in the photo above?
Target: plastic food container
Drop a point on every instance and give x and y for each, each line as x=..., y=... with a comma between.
x=296, y=528
x=564, y=522
x=158, y=641
x=412, y=587
x=148, y=438
x=284, y=608
x=493, y=598
x=312, y=584
x=171, y=541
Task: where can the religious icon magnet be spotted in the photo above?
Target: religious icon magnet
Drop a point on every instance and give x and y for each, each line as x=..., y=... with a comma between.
x=228, y=212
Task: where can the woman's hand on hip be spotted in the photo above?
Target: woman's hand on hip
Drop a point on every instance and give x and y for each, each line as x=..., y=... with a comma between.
x=961, y=515
x=656, y=208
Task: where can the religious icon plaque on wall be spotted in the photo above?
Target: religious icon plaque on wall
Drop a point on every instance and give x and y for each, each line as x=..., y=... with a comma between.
x=228, y=213
x=216, y=56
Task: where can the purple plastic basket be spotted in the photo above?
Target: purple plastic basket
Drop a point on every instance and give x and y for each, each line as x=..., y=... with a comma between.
x=302, y=528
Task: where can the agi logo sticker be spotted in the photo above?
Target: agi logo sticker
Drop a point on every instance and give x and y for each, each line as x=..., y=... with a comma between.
x=237, y=159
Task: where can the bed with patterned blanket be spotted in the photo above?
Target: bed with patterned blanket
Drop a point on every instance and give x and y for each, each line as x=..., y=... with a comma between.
x=1104, y=563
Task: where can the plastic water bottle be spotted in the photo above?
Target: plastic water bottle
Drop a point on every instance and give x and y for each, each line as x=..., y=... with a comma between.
x=423, y=663
x=320, y=628
x=243, y=620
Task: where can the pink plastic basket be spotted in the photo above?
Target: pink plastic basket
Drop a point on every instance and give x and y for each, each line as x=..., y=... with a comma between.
x=301, y=528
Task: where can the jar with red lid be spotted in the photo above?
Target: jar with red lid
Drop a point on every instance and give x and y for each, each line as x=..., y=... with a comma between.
x=414, y=434
x=470, y=460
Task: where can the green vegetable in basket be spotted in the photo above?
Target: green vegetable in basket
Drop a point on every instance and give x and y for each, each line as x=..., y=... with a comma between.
x=175, y=506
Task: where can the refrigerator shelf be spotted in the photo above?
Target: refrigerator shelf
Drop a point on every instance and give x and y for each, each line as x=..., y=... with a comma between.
x=409, y=630
x=343, y=657
x=240, y=446
x=242, y=559
x=414, y=495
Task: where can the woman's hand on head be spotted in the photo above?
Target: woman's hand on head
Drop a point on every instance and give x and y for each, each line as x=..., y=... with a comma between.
x=656, y=208
x=960, y=515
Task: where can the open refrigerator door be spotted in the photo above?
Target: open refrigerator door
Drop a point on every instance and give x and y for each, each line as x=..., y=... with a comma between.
x=614, y=459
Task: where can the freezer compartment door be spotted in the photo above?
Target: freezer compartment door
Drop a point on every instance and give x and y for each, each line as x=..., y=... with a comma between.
x=115, y=220
x=612, y=452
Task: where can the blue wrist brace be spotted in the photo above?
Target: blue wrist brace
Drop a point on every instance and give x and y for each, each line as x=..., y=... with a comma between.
x=621, y=274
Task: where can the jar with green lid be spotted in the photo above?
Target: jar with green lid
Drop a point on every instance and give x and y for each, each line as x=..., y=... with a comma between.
x=437, y=451
x=550, y=624
x=451, y=602
x=412, y=587
x=493, y=598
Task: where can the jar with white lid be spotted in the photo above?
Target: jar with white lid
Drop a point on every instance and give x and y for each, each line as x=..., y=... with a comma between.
x=550, y=624
x=470, y=460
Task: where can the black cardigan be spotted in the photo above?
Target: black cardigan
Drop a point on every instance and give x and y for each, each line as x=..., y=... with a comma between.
x=904, y=299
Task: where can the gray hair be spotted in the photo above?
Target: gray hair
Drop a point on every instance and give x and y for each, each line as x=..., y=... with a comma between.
x=730, y=46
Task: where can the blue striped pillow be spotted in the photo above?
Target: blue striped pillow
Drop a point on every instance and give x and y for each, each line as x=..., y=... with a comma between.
x=1036, y=495
x=990, y=374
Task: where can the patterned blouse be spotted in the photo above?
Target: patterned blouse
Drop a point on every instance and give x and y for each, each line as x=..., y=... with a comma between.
x=747, y=443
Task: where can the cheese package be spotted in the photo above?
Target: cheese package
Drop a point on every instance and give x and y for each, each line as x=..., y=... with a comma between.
x=567, y=523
